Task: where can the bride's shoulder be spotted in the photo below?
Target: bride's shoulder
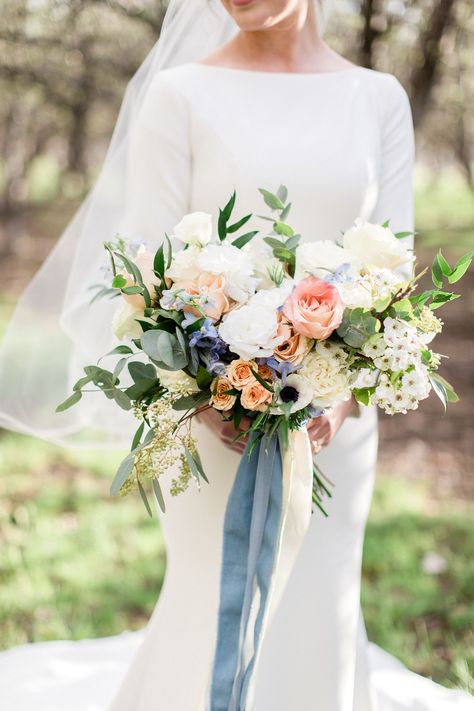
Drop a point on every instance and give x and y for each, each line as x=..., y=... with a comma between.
x=385, y=84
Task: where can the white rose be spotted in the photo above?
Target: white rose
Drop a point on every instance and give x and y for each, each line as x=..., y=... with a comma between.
x=251, y=330
x=234, y=265
x=374, y=244
x=320, y=258
x=184, y=268
x=195, y=229
x=124, y=324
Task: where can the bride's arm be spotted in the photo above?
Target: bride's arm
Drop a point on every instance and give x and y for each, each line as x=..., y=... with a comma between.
x=158, y=165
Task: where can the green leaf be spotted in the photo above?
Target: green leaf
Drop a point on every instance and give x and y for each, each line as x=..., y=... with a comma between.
x=71, y=400
x=402, y=235
x=165, y=349
x=195, y=325
x=122, y=399
x=262, y=382
x=363, y=395
x=461, y=268
x=282, y=193
x=169, y=258
x=118, y=350
x=284, y=213
x=357, y=327
x=386, y=224
x=159, y=262
x=237, y=225
x=273, y=201
x=203, y=378
x=195, y=466
x=448, y=388
x=440, y=390
x=136, y=289
x=244, y=239
x=118, y=369
x=118, y=281
x=189, y=402
x=82, y=381
x=227, y=211
x=144, y=498
x=281, y=228
x=293, y=242
x=158, y=494
x=443, y=264
x=440, y=298
x=142, y=371
x=137, y=436
x=221, y=226
x=123, y=472
x=436, y=273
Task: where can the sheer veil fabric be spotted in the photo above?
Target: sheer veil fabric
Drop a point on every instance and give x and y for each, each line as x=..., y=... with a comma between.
x=55, y=330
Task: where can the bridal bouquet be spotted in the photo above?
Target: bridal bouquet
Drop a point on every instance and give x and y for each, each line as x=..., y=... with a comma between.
x=270, y=331
x=265, y=328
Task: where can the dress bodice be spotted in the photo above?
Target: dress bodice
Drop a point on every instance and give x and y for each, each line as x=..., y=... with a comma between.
x=342, y=142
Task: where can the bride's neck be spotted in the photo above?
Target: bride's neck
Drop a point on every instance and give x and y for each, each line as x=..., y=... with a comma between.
x=294, y=44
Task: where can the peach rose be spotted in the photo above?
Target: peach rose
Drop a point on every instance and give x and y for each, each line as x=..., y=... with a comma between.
x=221, y=399
x=240, y=373
x=144, y=261
x=212, y=287
x=255, y=397
x=314, y=308
x=294, y=346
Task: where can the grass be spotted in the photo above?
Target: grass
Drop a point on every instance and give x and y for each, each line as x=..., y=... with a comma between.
x=76, y=563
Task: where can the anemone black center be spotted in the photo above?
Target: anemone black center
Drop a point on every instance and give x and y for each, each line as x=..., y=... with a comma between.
x=289, y=394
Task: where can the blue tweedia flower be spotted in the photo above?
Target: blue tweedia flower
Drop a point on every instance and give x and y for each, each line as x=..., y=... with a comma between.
x=281, y=369
x=340, y=275
x=206, y=336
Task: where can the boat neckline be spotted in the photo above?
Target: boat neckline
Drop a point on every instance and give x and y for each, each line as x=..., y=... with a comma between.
x=260, y=72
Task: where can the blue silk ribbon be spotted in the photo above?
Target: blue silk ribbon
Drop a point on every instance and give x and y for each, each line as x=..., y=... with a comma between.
x=250, y=546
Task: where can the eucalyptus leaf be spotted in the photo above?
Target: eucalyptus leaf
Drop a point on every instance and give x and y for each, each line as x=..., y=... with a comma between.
x=70, y=401
x=357, y=327
x=123, y=473
x=122, y=399
x=158, y=494
x=165, y=349
x=144, y=498
x=273, y=201
x=137, y=436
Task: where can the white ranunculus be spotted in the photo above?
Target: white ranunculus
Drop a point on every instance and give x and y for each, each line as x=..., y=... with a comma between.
x=124, y=324
x=377, y=245
x=328, y=377
x=251, y=330
x=320, y=258
x=234, y=265
x=195, y=229
x=184, y=267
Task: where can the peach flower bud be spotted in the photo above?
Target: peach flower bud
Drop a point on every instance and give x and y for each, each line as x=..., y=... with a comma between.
x=240, y=373
x=255, y=397
x=265, y=373
x=221, y=399
x=314, y=308
x=144, y=262
x=294, y=346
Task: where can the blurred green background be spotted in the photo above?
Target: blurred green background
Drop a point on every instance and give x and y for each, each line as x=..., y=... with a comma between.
x=75, y=563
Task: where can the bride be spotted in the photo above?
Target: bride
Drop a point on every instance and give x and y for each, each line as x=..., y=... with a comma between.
x=238, y=94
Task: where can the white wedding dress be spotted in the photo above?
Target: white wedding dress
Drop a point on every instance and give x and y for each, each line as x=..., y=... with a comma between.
x=343, y=144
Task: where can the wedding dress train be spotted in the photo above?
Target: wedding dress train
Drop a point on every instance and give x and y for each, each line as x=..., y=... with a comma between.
x=343, y=144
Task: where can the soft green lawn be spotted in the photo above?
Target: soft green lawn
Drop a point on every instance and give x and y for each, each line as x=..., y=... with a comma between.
x=75, y=563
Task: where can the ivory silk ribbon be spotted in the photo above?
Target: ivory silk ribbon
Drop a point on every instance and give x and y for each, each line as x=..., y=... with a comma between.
x=267, y=516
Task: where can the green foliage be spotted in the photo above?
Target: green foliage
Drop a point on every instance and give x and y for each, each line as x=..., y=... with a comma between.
x=165, y=349
x=357, y=326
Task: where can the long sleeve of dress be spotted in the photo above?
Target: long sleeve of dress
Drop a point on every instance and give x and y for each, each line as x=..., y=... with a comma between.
x=395, y=194
x=159, y=165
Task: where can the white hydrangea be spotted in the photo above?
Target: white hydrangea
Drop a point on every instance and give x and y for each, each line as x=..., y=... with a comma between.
x=368, y=286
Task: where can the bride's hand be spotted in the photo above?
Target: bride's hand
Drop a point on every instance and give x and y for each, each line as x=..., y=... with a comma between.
x=322, y=429
x=225, y=430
